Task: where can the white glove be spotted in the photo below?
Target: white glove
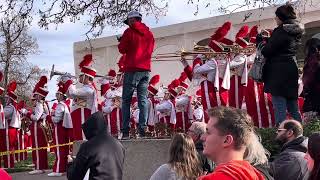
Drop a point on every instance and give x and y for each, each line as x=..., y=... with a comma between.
x=201, y=56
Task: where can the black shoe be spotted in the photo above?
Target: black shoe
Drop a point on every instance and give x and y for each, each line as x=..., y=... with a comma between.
x=125, y=136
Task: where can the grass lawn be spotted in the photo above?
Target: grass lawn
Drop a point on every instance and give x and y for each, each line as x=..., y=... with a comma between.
x=26, y=165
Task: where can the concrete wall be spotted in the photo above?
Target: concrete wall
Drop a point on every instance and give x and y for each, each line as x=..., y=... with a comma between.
x=173, y=37
x=143, y=157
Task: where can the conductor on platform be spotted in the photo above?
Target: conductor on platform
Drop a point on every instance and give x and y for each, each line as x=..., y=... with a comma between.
x=137, y=44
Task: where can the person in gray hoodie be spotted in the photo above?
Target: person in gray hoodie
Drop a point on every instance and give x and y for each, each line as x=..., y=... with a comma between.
x=290, y=163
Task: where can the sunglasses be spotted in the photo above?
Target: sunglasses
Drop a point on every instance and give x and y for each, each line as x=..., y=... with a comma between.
x=279, y=130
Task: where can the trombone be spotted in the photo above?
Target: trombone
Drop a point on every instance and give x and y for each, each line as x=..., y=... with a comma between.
x=205, y=50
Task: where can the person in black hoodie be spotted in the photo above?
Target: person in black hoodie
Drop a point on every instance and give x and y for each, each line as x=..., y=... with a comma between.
x=102, y=154
x=290, y=163
x=280, y=73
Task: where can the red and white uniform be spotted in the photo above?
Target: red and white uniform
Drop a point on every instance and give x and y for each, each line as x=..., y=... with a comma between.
x=198, y=114
x=183, y=112
x=39, y=115
x=84, y=104
x=11, y=122
x=23, y=138
x=62, y=121
x=113, y=115
x=239, y=80
x=153, y=117
x=259, y=105
x=167, y=112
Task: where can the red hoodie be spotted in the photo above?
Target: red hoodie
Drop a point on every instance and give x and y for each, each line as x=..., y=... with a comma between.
x=4, y=175
x=234, y=170
x=137, y=44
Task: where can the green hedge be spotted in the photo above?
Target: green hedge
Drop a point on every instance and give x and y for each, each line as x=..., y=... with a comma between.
x=268, y=135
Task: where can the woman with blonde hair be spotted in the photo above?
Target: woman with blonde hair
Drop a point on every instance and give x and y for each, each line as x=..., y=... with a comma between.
x=183, y=161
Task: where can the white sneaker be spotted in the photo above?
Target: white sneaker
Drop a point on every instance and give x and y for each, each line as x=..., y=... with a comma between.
x=54, y=174
x=36, y=172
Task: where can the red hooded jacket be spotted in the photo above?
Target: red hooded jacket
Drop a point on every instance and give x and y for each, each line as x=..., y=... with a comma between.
x=234, y=170
x=137, y=44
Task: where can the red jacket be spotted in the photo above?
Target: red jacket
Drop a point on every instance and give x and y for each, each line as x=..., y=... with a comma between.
x=234, y=170
x=137, y=44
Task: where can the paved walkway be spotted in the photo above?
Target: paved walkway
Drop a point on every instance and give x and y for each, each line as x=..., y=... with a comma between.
x=26, y=176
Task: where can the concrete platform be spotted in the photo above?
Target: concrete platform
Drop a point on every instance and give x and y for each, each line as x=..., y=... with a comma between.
x=143, y=157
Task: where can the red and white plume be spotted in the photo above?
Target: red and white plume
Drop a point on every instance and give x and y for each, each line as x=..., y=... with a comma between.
x=87, y=61
x=243, y=32
x=183, y=77
x=12, y=86
x=221, y=32
x=154, y=80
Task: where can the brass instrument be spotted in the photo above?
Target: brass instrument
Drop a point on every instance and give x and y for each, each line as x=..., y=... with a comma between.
x=25, y=124
x=205, y=50
x=47, y=131
x=117, y=101
x=64, y=76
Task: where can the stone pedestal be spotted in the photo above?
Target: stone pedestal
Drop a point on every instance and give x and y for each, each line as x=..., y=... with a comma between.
x=144, y=156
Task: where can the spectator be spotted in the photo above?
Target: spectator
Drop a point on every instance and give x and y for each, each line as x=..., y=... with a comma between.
x=4, y=175
x=290, y=163
x=225, y=142
x=311, y=79
x=137, y=45
x=196, y=130
x=280, y=71
x=313, y=156
x=257, y=156
x=101, y=154
x=183, y=161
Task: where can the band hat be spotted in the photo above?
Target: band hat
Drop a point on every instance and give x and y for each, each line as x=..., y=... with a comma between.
x=89, y=71
x=42, y=91
x=132, y=14
x=11, y=89
x=152, y=90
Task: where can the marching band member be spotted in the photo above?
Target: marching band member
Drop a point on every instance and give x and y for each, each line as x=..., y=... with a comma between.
x=12, y=122
x=215, y=73
x=152, y=92
x=22, y=135
x=198, y=113
x=3, y=146
x=112, y=111
x=62, y=121
x=85, y=101
x=183, y=106
x=167, y=112
x=38, y=116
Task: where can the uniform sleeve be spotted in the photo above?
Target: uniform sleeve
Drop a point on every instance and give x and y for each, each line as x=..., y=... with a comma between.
x=237, y=61
x=205, y=68
x=188, y=71
x=198, y=113
x=8, y=110
x=182, y=101
x=79, y=92
x=107, y=108
x=124, y=43
x=163, y=107
x=58, y=114
x=37, y=112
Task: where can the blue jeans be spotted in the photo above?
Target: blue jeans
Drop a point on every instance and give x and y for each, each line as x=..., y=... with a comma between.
x=281, y=105
x=132, y=81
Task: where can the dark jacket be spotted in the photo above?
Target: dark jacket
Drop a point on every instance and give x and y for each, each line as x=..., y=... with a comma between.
x=311, y=92
x=102, y=154
x=207, y=164
x=290, y=163
x=280, y=73
x=137, y=44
